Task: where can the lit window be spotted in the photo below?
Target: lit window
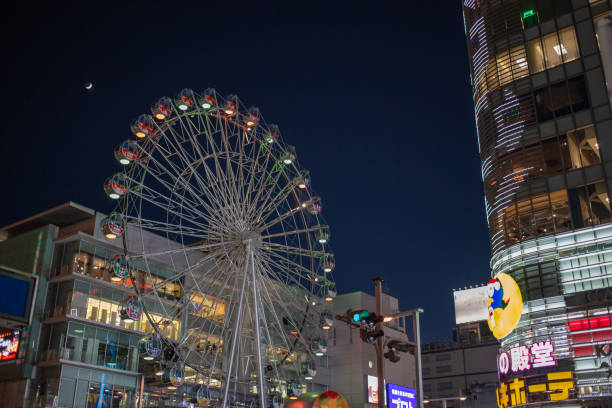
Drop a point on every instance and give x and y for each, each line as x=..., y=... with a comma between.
x=552, y=50
x=507, y=66
x=582, y=148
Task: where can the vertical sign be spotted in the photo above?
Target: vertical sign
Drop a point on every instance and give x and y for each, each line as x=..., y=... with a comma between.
x=372, y=389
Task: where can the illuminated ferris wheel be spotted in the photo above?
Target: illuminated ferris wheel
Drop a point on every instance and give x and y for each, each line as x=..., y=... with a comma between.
x=226, y=248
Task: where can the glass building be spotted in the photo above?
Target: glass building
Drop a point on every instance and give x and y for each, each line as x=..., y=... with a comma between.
x=541, y=73
x=81, y=351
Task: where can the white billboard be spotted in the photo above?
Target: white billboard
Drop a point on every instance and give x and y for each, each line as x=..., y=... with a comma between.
x=471, y=305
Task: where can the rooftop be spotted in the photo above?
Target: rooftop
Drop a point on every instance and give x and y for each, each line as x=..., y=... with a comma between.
x=62, y=215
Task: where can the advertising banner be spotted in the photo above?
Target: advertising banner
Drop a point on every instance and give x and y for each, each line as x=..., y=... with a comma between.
x=9, y=344
x=400, y=396
x=372, y=389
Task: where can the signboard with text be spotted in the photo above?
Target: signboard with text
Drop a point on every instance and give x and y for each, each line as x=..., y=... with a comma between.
x=526, y=358
x=554, y=386
x=400, y=397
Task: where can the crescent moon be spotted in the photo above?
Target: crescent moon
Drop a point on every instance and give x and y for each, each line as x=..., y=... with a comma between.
x=88, y=86
x=507, y=319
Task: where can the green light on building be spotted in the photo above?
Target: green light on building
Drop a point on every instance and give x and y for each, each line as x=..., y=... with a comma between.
x=528, y=13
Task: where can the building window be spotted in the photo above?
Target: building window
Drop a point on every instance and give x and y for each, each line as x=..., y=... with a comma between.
x=443, y=357
x=448, y=385
x=103, y=305
x=552, y=50
x=561, y=99
x=538, y=280
x=90, y=345
x=590, y=204
x=443, y=369
x=581, y=148
x=543, y=214
x=507, y=67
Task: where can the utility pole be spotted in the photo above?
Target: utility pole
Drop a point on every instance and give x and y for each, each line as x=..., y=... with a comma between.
x=379, y=343
x=371, y=331
x=416, y=325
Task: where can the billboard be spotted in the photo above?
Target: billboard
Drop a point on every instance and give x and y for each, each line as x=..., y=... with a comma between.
x=17, y=295
x=9, y=344
x=471, y=305
x=400, y=397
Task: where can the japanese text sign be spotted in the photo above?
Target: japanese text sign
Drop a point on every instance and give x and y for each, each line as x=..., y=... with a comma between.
x=556, y=387
x=400, y=397
x=524, y=358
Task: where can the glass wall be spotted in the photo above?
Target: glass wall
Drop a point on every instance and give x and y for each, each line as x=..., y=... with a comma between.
x=88, y=388
x=104, y=305
x=208, y=307
x=91, y=345
x=506, y=67
x=582, y=148
x=554, y=212
x=541, y=214
x=552, y=50
x=561, y=99
x=86, y=259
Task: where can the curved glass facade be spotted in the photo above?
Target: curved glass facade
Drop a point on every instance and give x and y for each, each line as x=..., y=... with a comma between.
x=545, y=141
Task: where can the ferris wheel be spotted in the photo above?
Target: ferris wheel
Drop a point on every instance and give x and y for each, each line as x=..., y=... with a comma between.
x=226, y=249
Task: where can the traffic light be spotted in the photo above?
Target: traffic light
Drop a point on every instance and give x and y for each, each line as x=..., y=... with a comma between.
x=395, y=348
x=370, y=336
x=392, y=356
x=364, y=318
x=359, y=315
x=398, y=345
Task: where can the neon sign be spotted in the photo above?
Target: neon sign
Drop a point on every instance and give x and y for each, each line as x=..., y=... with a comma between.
x=9, y=345
x=523, y=358
x=555, y=387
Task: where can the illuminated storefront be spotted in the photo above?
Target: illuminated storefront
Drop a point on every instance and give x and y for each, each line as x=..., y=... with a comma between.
x=547, y=181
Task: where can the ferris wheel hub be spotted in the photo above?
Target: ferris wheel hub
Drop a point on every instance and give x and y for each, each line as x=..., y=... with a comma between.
x=251, y=237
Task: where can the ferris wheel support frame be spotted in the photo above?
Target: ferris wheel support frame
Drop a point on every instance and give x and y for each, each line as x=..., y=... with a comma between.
x=237, y=328
x=262, y=391
x=236, y=196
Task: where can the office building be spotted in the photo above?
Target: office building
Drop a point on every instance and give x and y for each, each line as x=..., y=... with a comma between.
x=352, y=363
x=465, y=367
x=541, y=75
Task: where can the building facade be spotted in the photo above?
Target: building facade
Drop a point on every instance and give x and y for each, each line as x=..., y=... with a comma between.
x=80, y=351
x=541, y=75
x=351, y=367
x=465, y=367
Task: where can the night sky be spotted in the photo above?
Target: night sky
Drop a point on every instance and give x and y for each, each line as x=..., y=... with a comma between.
x=375, y=98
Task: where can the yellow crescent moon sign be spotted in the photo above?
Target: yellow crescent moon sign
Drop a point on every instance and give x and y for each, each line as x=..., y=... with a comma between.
x=504, y=304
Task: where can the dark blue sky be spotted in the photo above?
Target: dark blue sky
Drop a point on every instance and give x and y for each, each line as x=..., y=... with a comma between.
x=376, y=99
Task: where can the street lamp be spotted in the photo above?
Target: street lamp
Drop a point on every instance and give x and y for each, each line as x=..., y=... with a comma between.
x=459, y=398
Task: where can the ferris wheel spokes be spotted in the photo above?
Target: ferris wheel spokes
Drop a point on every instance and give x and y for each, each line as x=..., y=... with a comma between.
x=236, y=290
